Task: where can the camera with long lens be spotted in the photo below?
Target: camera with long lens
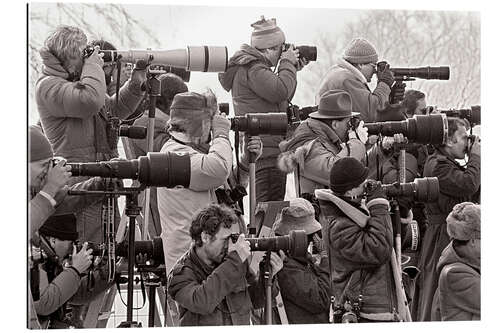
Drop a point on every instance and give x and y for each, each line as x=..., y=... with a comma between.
x=193, y=58
x=428, y=129
x=133, y=132
x=421, y=189
x=295, y=243
x=409, y=74
x=473, y=115
x=152, y=249
x=308, y=52
x=274, y=123
x=154, y=169
x=98, y=250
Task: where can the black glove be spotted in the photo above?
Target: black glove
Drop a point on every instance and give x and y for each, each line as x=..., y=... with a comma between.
x=374, y=190
x=384, y=74
x=397, y=92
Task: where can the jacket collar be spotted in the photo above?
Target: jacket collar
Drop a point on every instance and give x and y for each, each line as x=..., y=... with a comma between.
x=309, y=130
x=463, y=254
x=51, y=65
x=207, y=270
x=346, y=65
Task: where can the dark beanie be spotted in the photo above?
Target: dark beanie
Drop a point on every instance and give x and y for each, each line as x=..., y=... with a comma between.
x=346, y=174
x=62, y=227
x=39, y=146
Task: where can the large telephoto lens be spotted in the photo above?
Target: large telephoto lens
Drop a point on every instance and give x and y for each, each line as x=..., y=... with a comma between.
x=155, y=169
x=295, y=243
x=427, y=73
x=153, y=249
x=429, y=129
x=421, y=189
x=473, y=115
x=275, y=123
x=133, y=132
x=192, y=58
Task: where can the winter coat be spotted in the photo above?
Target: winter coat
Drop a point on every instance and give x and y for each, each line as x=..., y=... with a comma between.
x=456, y=184
x=255, y=88
x=160, y=136
x=458, y=296
x=314, y=147
x=345, y=76
x=213, y=296
x=359, y=259
x=178, y=205
x=305, y=289
x=74, y=117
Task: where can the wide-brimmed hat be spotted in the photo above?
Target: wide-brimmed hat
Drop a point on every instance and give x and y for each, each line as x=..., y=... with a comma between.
x=334, y=104
x=299, y=216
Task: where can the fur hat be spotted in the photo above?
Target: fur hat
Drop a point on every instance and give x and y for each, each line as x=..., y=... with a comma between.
x=191, y=112
x=266, y=34
x=299, y=216
x=40, y=148
x=464, y=221
x=346, y=174
x=62, y=227
x=360, y=51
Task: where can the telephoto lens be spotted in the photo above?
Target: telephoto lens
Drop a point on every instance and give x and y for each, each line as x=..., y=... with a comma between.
x=274, y=123
x=295, y=243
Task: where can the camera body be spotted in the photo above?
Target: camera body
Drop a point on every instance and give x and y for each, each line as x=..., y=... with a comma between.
x=98, y=250
x=308, y=52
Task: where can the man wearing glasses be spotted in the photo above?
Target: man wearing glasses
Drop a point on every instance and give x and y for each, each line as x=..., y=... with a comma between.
x=256, y=88
x=353, y=72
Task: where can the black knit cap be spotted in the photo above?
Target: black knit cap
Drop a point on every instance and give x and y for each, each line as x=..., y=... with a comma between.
x=346, y=174
x=62, y=227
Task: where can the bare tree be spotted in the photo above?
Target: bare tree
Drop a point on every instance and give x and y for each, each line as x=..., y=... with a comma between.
x=108, y=21
x=412, y=39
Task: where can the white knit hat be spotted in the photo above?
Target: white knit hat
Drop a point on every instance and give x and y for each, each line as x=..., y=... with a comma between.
x=360, y=51
x=266, y=34
x=464, y=221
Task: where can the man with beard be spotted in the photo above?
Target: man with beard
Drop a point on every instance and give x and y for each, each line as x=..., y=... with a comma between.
x=212, y=282
x=256, y=88
x=456, y=184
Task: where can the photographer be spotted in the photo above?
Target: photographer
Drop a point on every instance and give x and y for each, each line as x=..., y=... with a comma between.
x=211, y=282
x=53, y=281
x=456, y=184
x=458, y=296
x=359, y=257
x=75, y=111
x=256, y=88
x=304, y=283
x=326, y=136
x=194, y=120
x=353, y=72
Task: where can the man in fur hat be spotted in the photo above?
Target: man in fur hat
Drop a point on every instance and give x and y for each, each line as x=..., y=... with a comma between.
x=458, y=296
x=352, y=73
x=256, y=88
x=197, y=129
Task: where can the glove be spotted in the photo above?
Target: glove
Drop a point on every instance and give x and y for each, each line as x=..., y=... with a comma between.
x=138, y=77
x=360, y=133
x=220, y=126
x=374, y=190
x=397, y=92
x=385, y=75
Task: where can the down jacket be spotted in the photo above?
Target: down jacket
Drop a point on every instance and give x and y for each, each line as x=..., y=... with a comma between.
x=458, y=296
x=345, y=76
x=255, y=88
x=359, y=259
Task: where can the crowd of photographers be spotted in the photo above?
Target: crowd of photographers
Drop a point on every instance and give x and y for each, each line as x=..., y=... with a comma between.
x=352, y=267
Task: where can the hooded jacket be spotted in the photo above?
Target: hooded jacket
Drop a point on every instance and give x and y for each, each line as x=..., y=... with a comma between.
x=255, y=88
x=345, y=76
x=359, y=259
x=314, y=147
x=458, y=296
